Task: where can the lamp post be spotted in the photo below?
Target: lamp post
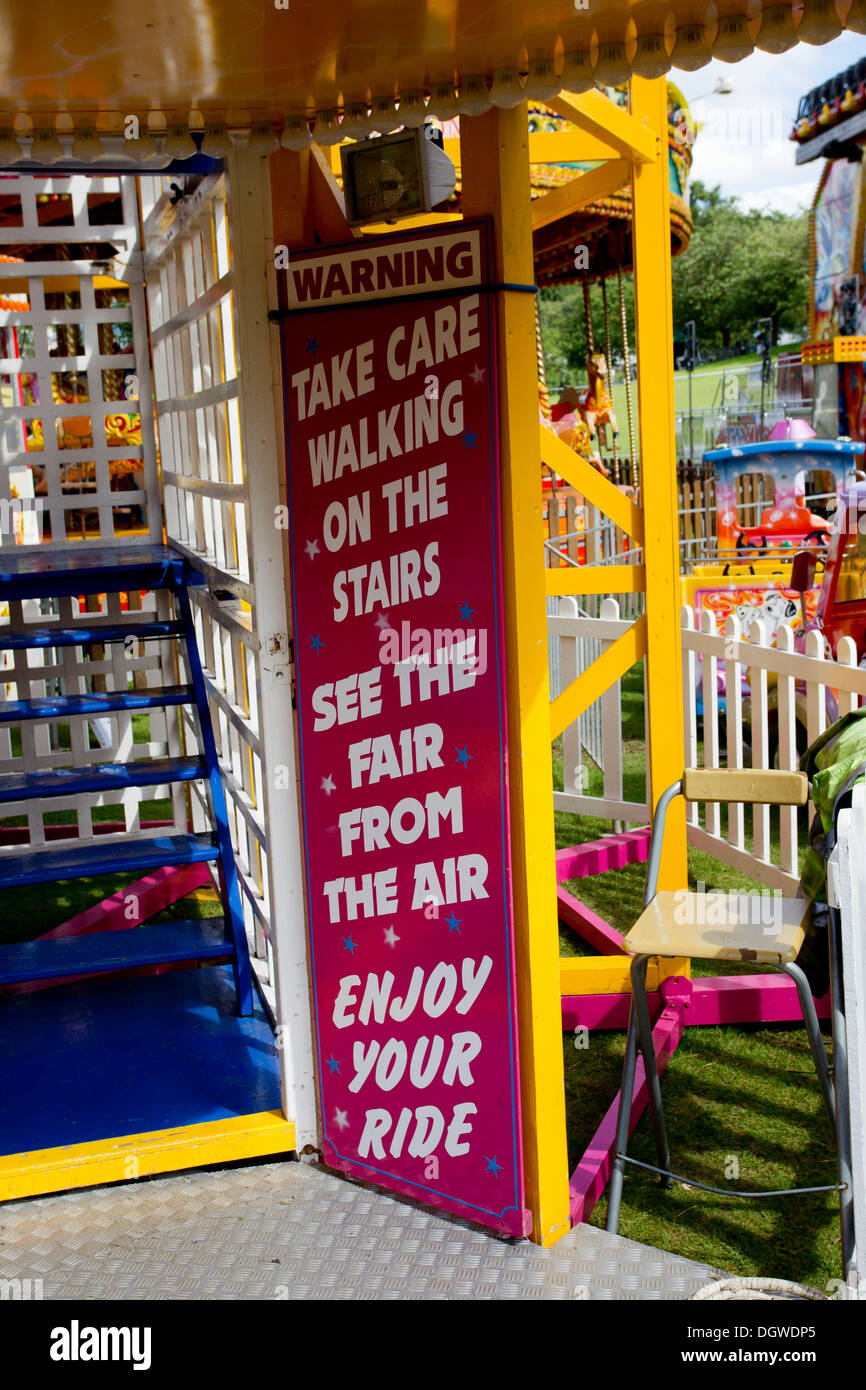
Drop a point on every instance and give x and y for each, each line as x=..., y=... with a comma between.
x=723, y=88
x=691, y=353
x=764, y=341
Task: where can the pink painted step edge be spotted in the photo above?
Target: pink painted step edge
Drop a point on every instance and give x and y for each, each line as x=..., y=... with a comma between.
x=599, y=856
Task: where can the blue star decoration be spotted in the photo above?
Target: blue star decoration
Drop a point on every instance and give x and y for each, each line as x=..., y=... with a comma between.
x=470, y=440
x=465, y=612
x=454, y=923
x=492, y=1166
x=349, y=945
x=316, y=643
x=332, y=1064
x=312, y=345
x=464, y=757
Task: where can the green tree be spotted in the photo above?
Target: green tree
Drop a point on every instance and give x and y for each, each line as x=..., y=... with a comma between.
x=563, y=328
x=740, y=266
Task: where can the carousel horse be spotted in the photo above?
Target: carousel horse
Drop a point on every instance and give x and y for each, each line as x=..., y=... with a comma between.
x=569, y=424
x=594, y=403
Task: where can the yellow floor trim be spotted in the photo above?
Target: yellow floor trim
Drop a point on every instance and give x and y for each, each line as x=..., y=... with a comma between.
x=600, y=975
x=139, y=1155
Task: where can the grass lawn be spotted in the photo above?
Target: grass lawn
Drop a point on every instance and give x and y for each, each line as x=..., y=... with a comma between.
x=742, y=1103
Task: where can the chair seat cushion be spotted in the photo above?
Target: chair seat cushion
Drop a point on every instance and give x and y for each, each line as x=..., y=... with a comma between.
x=764, y=928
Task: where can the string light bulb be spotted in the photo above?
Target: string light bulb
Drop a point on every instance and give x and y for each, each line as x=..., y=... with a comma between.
x=46, y=148
x=296, y=134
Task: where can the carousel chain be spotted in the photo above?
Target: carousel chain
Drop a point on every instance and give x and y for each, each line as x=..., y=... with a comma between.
x=543, y=393
x=587, y=315
x=625, y=354
x=609, y=368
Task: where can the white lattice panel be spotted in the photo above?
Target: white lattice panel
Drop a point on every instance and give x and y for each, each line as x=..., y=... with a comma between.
x=79, y=740
x=191, y=298
x=76, y=428
x=75, y=396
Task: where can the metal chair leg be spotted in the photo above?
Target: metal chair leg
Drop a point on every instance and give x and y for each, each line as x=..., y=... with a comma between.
x=813, y=1032
x=629, y=1066
x=645, y=1037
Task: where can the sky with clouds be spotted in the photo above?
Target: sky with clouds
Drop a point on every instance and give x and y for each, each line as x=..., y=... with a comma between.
x=744, y=146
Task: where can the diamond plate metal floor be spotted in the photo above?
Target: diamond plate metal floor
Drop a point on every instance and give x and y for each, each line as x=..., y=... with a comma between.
x=293, y=1231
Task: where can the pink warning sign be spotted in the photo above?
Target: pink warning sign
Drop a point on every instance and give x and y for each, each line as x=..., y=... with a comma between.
x=389, y=370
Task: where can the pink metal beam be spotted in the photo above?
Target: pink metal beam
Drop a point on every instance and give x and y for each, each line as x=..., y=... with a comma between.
x=591, y=1175
x=594, y=930
x=712, y=1000
x=129, y=907
x=599, y=856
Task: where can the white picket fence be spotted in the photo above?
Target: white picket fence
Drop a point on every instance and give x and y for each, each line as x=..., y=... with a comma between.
x=777, y=692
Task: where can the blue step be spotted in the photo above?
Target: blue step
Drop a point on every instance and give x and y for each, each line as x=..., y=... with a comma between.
x=82, y=635
x=101, y=777
x=96, y=703
x=80, y=860
x=160, y=944
x=95, y=570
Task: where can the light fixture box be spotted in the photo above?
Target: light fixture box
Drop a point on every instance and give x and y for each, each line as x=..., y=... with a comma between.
x=394, y=176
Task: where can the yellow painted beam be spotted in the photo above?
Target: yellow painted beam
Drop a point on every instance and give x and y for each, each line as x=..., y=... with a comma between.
x=139, y=1155
x=595, y=487
x=654, y=324
x=627, y=133
x=547, y=147
x=495, y=162
x=567, y=147
x=601, y=975
x=595, y=579
x=586, y=188
x=611, y=666
x=410, y=224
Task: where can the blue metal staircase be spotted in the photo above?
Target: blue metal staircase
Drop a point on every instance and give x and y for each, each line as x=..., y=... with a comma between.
x=61, y=574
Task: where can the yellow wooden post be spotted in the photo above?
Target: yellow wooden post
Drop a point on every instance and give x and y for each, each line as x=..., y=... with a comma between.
x=654, y=323
x=495, y=166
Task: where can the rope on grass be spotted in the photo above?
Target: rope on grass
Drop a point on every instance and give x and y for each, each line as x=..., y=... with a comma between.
x=764, y=1290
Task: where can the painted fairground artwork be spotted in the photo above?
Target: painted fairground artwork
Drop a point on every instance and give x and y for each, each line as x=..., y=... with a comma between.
x=393, y=476
x=770, y=603
x=790, y=473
